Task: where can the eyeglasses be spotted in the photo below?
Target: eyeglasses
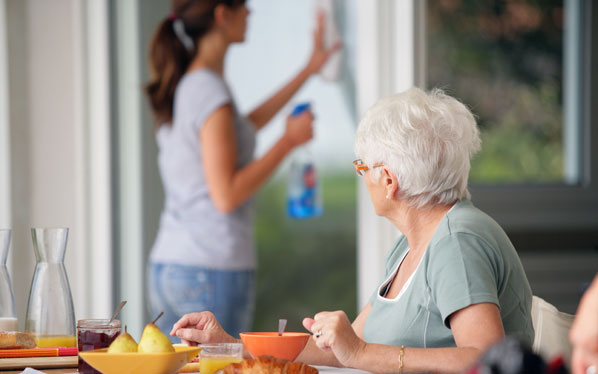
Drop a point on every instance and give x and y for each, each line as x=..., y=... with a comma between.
x=361, y=168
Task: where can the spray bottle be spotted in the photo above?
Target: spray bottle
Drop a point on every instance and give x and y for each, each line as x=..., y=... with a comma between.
x=304, y=198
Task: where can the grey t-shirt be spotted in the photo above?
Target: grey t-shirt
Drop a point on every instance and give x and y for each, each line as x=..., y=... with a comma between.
x=192, y=231
x=469, y=260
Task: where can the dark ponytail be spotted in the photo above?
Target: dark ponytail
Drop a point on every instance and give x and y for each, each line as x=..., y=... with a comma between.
x=169, y=59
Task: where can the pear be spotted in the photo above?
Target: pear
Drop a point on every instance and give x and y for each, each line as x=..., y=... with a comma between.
x=153, y=340
x=123, y=344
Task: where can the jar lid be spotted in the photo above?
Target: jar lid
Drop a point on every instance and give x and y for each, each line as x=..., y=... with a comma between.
x=98, y=323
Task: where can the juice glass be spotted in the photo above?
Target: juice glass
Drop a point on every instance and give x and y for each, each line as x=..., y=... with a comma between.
x=55, y=341
x=216, y=356
x=95, y=334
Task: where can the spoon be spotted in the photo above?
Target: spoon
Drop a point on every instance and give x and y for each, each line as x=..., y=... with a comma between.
x=118, y=309
x=282, y=323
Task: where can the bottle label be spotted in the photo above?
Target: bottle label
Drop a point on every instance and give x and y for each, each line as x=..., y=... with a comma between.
x=303, y=195
x=303, y=199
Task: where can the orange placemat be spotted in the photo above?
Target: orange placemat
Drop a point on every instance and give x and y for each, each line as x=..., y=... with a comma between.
x=35, y=352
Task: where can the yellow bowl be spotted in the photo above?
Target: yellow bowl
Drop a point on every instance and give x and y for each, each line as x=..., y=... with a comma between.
x=139, y=363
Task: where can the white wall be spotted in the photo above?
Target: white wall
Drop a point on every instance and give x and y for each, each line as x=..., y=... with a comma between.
x=49, y=153
x=5, y=219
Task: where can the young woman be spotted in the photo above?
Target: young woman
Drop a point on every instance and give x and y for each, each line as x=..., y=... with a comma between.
x=204, y=254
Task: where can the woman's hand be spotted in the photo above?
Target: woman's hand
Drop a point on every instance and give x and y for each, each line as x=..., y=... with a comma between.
x=261, y=115
x=320, y=53
x=200, y=328
x=299, y=129
x=584, y=332
x=333, y=332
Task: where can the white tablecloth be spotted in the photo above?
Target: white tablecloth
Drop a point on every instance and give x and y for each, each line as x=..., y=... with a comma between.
x=333, y=370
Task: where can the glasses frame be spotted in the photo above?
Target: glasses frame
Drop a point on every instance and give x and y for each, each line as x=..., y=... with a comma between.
x=361, y=168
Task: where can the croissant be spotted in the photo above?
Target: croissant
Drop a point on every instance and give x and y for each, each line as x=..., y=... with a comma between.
x=268, y=365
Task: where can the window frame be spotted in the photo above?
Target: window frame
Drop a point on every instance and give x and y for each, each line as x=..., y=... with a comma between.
x=390, y=55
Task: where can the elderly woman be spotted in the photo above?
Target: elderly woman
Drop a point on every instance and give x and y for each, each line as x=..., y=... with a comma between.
x=454, y=284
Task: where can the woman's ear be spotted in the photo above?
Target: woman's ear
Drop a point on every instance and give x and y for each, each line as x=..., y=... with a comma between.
x=221, y=15
x=391, y=183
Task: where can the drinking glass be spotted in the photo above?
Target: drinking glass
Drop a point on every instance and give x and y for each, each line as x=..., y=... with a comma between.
x=216, y=356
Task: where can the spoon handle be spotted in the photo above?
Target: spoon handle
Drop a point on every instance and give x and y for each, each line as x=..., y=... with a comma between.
x=118, y=309
x=282, y=323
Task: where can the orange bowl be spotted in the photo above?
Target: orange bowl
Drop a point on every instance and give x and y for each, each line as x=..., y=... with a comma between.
x=287, y=346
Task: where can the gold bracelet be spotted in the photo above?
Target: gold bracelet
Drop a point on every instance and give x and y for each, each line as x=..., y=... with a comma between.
x=401, y=357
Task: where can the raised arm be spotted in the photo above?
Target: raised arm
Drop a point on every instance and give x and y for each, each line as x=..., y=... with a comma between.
x=229, y=187
x=320, y=54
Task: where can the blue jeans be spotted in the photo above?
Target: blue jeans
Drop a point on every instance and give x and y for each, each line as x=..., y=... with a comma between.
x=180, y=289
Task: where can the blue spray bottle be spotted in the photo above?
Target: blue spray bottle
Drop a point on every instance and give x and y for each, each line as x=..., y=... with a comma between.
x=304, y=198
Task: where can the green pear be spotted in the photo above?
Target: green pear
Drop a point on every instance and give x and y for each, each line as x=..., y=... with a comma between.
x=153, y=340
x=123, y=343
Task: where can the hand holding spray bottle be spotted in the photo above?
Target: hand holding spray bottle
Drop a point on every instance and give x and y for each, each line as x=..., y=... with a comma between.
x=304, y=199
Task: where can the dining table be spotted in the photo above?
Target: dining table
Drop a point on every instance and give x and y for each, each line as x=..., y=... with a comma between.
x=321, y=369
x=48, y=371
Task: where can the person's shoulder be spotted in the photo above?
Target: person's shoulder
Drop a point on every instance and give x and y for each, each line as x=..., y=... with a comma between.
x=466, y=225
x=202, y=82
x=199, y=93
x=465, y=218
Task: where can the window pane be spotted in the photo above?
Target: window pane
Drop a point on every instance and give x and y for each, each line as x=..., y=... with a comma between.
x=304, y=266
x=504, y=59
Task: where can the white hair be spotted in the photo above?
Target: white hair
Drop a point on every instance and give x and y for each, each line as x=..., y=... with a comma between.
x=426, y=139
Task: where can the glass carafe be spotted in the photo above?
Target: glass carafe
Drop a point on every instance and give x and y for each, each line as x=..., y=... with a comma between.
x=50, y=312
x=8, y=316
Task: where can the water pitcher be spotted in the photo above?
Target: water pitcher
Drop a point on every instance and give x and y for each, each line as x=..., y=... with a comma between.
x=50, y=312
x=8, y=316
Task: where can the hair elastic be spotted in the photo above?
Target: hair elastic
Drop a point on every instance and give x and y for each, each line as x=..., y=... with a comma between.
x=179, y=29
x=172, y=17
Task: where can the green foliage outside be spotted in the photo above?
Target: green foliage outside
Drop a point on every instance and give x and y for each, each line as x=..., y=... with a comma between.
x=305, y=266
x=504, y=60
